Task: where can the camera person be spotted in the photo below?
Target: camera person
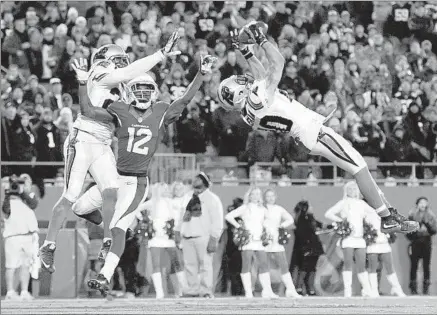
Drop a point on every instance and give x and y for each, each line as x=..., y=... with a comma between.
x=20, y=235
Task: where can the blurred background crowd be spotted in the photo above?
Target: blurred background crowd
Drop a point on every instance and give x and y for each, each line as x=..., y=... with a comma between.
x=373, y=61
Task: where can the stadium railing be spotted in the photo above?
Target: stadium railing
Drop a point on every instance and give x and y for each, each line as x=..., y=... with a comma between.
x=168, y=167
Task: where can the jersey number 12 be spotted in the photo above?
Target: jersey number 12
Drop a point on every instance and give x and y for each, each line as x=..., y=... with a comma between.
x=138, y=138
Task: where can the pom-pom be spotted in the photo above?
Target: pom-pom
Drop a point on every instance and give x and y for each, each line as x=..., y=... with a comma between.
x=169, y=229
x=146, y=227
x=244, y=36
x=369, y=233
x=343, y=229
x=284, y=236
x=391, y=237
x=266, y=238
x=241, y=236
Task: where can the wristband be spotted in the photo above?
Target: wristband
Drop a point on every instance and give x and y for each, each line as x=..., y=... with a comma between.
x=247, y=54
x=263, y=42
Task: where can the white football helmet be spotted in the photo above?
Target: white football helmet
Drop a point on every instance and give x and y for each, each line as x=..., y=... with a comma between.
x=112, y=53
x=233, y=91
x=143, y=91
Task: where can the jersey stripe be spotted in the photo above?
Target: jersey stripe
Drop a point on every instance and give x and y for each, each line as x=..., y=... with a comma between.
x=71, y=155
x=343, y=155
x=140, y=194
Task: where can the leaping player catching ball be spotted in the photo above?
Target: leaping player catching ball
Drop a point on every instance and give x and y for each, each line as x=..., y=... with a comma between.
x=263, y=106
x=139, y=123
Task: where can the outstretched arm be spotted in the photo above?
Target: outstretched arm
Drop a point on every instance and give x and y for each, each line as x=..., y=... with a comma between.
x=80, y=66
x=140, y=66
x=176, y=108
x=255, y=65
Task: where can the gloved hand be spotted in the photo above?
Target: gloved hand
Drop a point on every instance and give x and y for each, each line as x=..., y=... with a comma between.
x=212, y=245
x=206, y=64
x=235, y=42
x=167, y=50
x=254, y=31
x=80, y=66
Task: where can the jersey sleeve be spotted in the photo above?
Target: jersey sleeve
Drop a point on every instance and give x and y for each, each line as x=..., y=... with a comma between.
x=258, y=98
x=162, y=112
x=116, y=109
x=99, y=71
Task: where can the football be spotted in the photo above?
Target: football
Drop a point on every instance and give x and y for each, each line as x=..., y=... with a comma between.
x=244, y=36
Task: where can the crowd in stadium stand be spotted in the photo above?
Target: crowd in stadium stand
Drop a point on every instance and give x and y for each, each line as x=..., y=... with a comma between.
x=375, y=62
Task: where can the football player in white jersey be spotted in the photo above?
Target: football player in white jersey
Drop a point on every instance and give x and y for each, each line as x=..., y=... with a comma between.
x=263, y=106
x=87, y=148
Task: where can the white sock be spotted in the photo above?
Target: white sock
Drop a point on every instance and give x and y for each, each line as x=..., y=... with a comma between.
x=373, y=279
x=288, y=282
x=111, y=262
x=347, y=283
x=182, y=281
x=46, y=242
x=264, y=279
x=157, y=283
x=106, y=239
x=395, y=285
x=246, y=278
x=363, y=277
x=101, y=225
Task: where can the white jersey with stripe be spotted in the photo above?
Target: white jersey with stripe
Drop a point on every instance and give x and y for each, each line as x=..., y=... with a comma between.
x=100, y=96
x=282, y=115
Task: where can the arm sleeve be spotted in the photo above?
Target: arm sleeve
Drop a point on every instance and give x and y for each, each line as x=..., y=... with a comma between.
x=30, y=200
x=6, y=208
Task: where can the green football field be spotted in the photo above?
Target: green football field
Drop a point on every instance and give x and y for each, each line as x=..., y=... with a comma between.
x=308, y=305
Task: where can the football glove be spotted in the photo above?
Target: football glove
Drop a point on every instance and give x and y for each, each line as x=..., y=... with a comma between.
x=235, y=42
x=206, y=64
x=80, y=67
x=167, y=50
x=254, y=31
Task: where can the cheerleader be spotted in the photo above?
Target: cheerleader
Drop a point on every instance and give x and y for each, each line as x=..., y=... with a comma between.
x=381, y=250
x=161, y=210
x=277, y=217
x=353, y=209
x=253, y=214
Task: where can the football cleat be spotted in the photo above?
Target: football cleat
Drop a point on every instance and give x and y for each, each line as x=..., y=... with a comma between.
x=100, y=283
x=396, y=222
x=104, y=250
x=46, y=255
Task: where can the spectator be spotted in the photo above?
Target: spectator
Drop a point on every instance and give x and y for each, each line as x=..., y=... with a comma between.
x=34, y=53
x=198, y=232
x=368, y=139
x=20, y=235
x=48, y=144
x=64, y=71
x=388, y=121
x=33, y=89
x=48, y=59
x=230, y=67
x=10, y=122
x=264, y=146
x=54, y=97
x=194, y=132
x=230, y=133
x=291, y=80
x=64, y=123
x=17, y=42
x=421, y=243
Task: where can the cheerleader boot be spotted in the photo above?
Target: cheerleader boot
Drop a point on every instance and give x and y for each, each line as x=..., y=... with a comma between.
x=246, y=279
x=347, y=283
x=267, y=291
x=290, y=290
x=366, y=290
x=157, y=283
x=396, y=288
x=373, y=279
x=182, y=283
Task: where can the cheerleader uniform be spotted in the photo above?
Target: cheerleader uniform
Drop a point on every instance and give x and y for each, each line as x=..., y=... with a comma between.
x=354, y=211
x=253, y=217
x=274, y=216
x=160, y=213
x=381, y=245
